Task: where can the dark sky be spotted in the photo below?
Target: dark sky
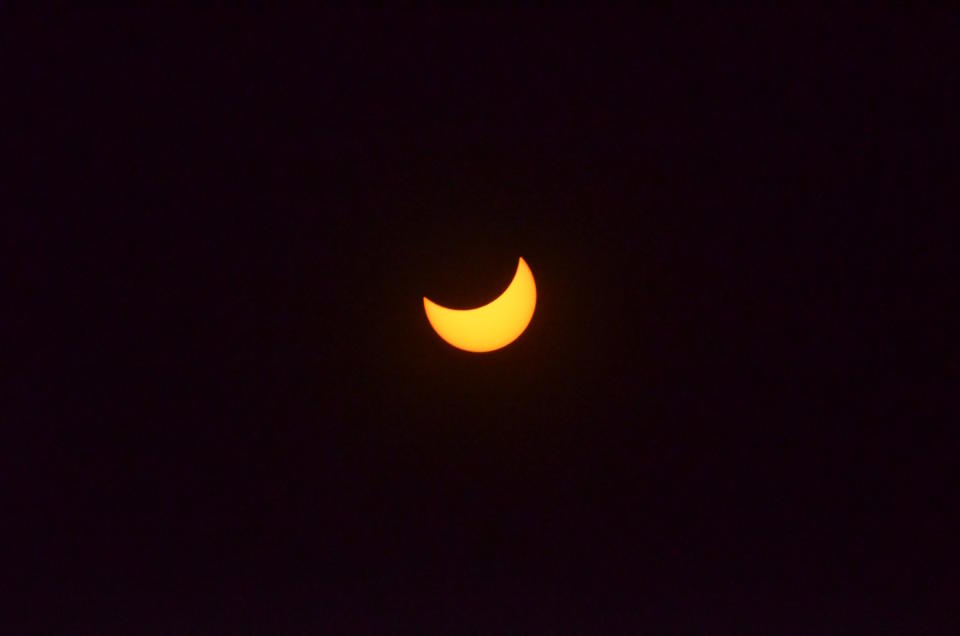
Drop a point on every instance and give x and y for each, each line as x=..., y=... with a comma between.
x=229, y=414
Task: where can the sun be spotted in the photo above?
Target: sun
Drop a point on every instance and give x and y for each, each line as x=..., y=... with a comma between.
x=492, y=326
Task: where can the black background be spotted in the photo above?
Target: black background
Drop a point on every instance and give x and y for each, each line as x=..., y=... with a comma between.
x=726, y=417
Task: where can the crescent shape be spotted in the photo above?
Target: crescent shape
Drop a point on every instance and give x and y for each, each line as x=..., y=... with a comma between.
x=492, y=326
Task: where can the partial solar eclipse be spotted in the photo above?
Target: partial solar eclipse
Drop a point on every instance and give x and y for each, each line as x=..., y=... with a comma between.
x=492, y=326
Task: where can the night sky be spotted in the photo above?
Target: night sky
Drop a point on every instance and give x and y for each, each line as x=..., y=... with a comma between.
x=229, y=414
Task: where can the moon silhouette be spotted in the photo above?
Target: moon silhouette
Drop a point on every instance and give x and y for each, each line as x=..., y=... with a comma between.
x=491, y=326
